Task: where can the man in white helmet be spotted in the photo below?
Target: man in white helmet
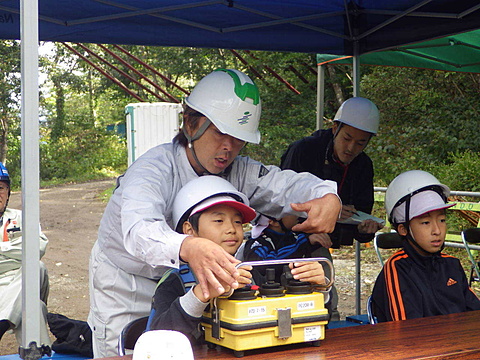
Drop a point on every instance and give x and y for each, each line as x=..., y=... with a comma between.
x=420, y=280
x=338, y=154
x=136, y=241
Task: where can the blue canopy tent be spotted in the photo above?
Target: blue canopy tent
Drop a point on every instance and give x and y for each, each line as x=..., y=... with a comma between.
x=328, y=26
x=317, y=26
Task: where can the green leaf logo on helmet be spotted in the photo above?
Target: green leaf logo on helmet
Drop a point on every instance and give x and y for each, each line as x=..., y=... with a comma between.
x=245, y=90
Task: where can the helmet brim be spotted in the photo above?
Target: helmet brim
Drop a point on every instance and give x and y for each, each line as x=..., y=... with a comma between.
x=248, y=214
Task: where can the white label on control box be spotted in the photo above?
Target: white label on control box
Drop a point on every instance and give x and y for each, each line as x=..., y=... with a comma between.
x=306, y=305
x=311, y=333
x=257, y=310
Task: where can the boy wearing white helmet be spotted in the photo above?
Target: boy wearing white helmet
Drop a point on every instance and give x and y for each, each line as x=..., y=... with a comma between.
x=207, y=207
x=420, y=280
x=137, y=242
x=338, y=154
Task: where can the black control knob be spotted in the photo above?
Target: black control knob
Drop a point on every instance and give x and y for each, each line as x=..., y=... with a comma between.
x=271, y=288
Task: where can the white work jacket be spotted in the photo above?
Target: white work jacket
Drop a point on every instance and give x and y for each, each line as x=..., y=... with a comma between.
x=11, y=245
x=136, y=228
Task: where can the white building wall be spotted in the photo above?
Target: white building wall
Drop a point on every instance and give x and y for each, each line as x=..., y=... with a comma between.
x=150, y=124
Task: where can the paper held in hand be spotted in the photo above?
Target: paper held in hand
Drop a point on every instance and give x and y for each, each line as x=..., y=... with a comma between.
x=359, y=217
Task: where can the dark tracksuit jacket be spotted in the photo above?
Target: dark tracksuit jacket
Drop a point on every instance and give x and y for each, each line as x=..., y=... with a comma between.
x=167, y=312
x=314, y=154
x=271, y=245
x=413, y=286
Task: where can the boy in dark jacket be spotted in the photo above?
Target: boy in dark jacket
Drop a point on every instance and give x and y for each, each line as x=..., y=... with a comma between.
x=420, y=280
x=208, y=207
x=274, y=239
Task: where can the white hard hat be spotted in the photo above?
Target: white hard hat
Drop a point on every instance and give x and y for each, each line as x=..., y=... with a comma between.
x=359, y=113
x=231, y=101
x=408, y=184
x=207, y=191
x=162, y=345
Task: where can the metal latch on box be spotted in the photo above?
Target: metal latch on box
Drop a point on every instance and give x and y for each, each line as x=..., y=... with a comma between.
x=284, y=323
x=215, y=320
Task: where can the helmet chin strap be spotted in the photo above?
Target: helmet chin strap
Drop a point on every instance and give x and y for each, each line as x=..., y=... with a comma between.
x=196, y=136
x=332, y=143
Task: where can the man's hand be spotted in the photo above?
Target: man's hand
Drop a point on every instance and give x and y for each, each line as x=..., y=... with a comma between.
x=213, y=267
x=347, y=211
x=369, y=227
x=322, y=214
x=322, y=239
x=243, y=280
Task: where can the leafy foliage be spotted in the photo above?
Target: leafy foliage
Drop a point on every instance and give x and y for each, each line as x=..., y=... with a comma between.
x=429, y=119
x=89, y=154
x=425, y=116
x=9, y=92
x=462, y=170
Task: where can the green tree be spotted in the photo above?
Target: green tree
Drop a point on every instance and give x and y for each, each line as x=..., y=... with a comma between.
x=428, y=119
x=425, y=116
x=9, y=94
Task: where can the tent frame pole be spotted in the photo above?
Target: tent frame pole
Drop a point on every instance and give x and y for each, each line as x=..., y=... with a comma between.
x=30, y=347
x=320, y=95
x=358, y=267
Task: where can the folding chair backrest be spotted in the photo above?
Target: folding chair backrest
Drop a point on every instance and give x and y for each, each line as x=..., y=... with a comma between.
x=386, y=241
x=130, y=334
x=472, y=236
x=372, y=319
x=471, y=240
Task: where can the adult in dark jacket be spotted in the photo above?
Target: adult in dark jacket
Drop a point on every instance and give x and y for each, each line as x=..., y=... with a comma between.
x=337, y=154
x=420, y=280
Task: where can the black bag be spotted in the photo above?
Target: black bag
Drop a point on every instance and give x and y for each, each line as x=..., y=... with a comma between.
x=73, y=336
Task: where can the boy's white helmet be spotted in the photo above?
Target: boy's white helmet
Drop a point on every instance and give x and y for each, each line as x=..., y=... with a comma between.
x=204, y=192
x=359, y=113
x=408, y=184
x=161, y=345
x=231, y=101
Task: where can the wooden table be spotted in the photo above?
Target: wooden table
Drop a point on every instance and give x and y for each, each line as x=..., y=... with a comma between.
x=455, y=336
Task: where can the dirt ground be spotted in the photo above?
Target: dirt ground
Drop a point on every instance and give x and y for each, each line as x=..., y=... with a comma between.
x=70, y=216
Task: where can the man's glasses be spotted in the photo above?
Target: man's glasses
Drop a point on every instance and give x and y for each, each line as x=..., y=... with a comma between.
x=4, y=189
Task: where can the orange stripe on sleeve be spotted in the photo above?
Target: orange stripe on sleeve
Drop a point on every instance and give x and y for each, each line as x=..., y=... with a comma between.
x=397, y=308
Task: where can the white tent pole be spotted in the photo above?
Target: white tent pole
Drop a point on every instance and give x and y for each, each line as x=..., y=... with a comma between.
x=358, y=282
x=31, y=311
x=320, y=95
x=356, y=75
